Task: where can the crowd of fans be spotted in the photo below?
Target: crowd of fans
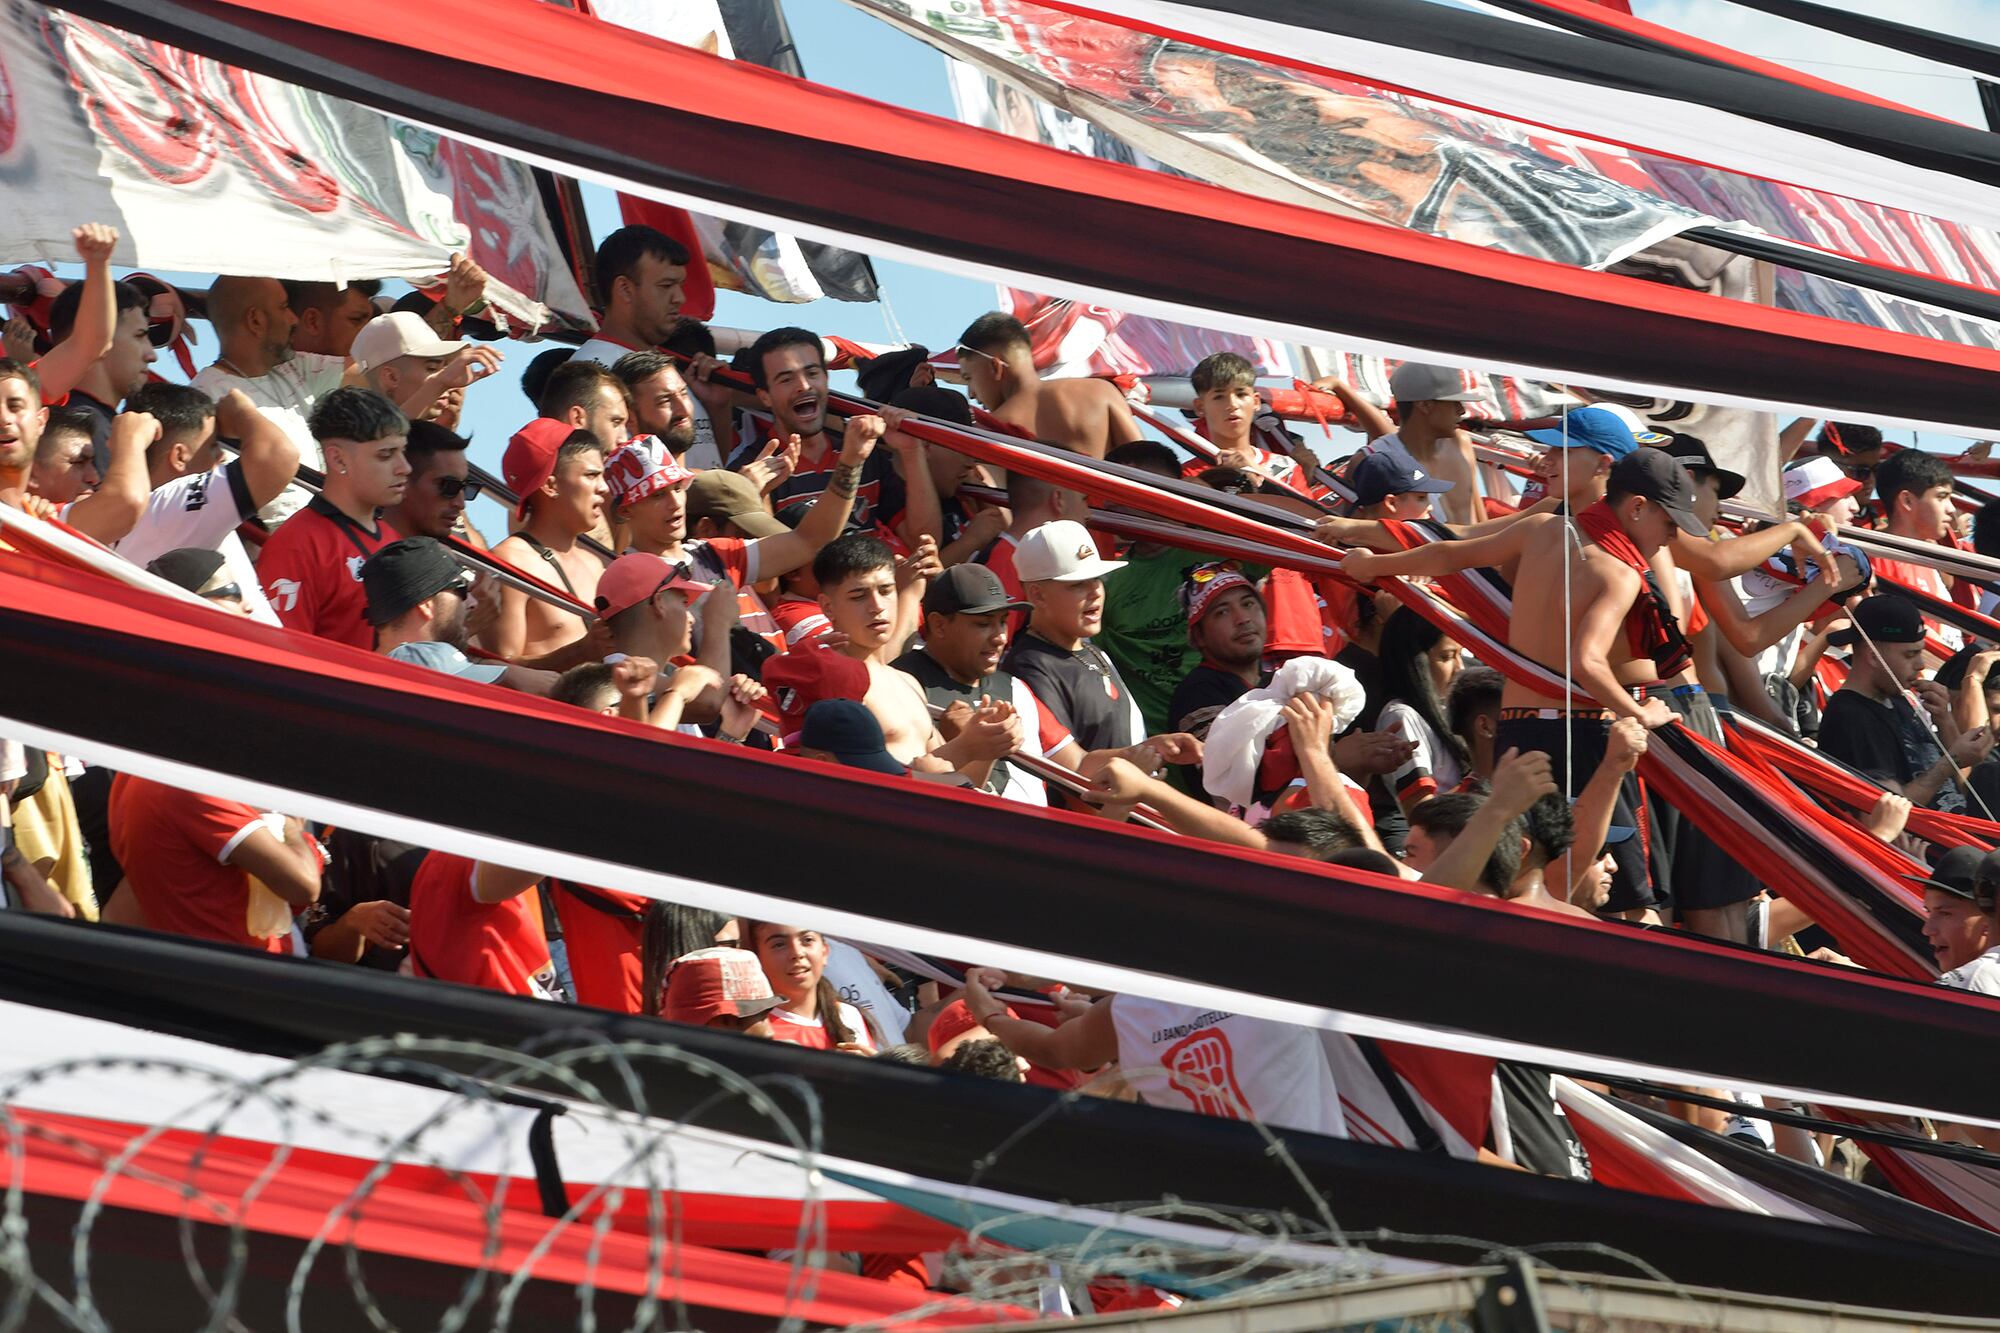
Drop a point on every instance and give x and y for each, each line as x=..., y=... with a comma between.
x=745, y=565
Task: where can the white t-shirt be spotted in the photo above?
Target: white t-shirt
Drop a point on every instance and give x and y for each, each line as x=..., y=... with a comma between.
x=1227, y=1065
x=197, y=510
x=1982, y=975
x=1431, y=759
x=287, y=396
x=861, y=989
x=703, y=454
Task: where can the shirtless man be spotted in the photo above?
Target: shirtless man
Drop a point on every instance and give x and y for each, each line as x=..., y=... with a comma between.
x=856, y=574
x=558, y=471
x=1612, y=632
x=1087, y=415
x=1430, y=403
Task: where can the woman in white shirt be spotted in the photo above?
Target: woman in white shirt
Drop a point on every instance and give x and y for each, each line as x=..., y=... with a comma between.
x=1418, y=665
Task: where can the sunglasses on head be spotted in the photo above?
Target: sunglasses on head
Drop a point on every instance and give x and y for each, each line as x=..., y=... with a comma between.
x=451, y=486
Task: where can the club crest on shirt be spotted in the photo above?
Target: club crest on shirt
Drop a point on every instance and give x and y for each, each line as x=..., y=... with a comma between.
x=354, y=563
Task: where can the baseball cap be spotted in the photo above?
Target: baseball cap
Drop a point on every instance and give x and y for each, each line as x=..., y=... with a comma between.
x=1596, y=428
x=1957, y=872
x=1884, y=618
x=1378, y=476
x=934, y=400
x=1205, y=583
x=406, y=572
x=725, y=496
x=849, y=732
x=443, y=657
x=1692, y=451
x=196, y=569
x=801, y=678
x=403, y=333
x=1062, y=552
x=530, y=459
x=1812, y=482
x=1658, y=477
x=1414, y=383
x=882, y=377
x=968, y=589
x=636, y=576
x=636, y=471
x=717, y=983
x=1642, y=431
x=952, y=1022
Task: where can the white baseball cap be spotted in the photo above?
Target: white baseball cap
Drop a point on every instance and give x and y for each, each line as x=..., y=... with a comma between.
x=1061, y=552
x=1414, y=383
x=1642, y=430
x=403, y=333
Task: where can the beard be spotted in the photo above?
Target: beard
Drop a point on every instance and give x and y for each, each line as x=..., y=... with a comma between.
x=450, y=626
x=679, y=437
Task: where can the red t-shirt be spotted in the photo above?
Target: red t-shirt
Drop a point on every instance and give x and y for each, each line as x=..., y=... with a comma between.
x=455, y=937
x=602, y=938
x=813, y=1033
x=311, y=569
x=172, y=845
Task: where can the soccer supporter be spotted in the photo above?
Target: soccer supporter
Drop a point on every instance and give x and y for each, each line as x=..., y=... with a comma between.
x=1311, y=833
x=212, y=869
x=416, y=595
x=674, y=930
x=964, y=533
x=403, y=359
x=1419, y=664
x=311, y=567
x=1087, y=415
x=1032, y=502
x=1177, y=1055
x=788, y=367
x=253, y=329
x=120, y=368
x=440, y=486
x=478, y=925
x=1914, y=489
x=1385, y=488
x=95, y=317
x=642, y=284
x=1225, y=625
x=647, y=603
x=1225, y=389
x=586, y=396
x=857, y=580
x=203, y=573
x=664, y=407
x=1063, y=578
x=1870, y=725
x=1430, y=404
x=65, y=471
x=811, y=1013
x=1481, y=843
x=984, y=1059
x=199, y=497
x=1472, y=710
x=1438, y=824
x=1621, y=634
x=557, y=470
x=1958, y=917
x=844, y=732
x=720, y=988
x=1577, y=457
x=330, y=314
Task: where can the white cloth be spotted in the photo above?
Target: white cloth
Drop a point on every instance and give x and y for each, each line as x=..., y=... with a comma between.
x=1235, y=744
x=1226, y=1065
x=196, y=510
x=1023, y=786
x=287, y=395
x=861, y=989
x=1981, y=975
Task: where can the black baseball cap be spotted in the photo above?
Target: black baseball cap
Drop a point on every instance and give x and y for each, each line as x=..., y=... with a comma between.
x=881, y=378
x=968, y=589
x=406, y=572
x=1884, y=618
x=933, y=400
x=1378, y=476
x=1956, y=872
x=1693, y=453
x=196, y=569
x=1655, y=475
x=849, y=732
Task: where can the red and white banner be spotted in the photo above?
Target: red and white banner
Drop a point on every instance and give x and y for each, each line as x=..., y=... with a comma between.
x=207, y=168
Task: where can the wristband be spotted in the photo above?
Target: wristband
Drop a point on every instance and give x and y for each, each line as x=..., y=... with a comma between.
x=728, y=739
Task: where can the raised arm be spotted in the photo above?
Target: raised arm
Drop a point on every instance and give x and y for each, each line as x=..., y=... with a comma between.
x=1792, y=438
x=1519, y=780
x=1370, y=420
x=96, y=316
x=1735, y=556
x=466, y=365
x=1087, y=1042
x=110, y=511
x=1751, y=635
x=827, y=519
x=269, y=458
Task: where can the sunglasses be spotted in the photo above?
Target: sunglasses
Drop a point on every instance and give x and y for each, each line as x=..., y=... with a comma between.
x=448, y=487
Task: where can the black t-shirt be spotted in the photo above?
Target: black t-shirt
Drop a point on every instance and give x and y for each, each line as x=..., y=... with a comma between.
x=1541, y=1135
x=101, y=414
x=1887, y=738
x=362, y=869
x=1390, y=825
x=1203, y=693
x=943, y=690
x=1082, y=688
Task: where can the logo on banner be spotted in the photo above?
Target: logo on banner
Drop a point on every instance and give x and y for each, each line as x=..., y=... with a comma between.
x=1202, y=1068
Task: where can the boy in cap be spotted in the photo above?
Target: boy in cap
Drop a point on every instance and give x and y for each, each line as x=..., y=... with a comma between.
x=1226, y=625
x=416, y=602
x=204, y=573
x=720, y=988
x=1430, y=403
x=1387, y=488
x=1958, y=918
x=1577, y=457
x=1872, y=725
x=1063, y=578
x=402, y=358
x=557, y=470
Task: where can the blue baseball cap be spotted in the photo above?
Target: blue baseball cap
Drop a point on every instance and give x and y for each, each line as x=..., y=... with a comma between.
x=1379, y=476
x=849, y=732
x=1591, y=428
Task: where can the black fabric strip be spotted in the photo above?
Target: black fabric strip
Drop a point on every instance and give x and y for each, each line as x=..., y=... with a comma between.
x=1083, y=1149
x=1907, y=286
x=937, y=206
x=1931, y=44
x=239, y=489
x=1043, y=880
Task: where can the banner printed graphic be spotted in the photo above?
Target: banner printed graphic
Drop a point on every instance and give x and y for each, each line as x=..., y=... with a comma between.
x=207, y=168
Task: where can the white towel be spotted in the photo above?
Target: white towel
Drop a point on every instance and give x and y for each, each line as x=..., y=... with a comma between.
x=1236, y=739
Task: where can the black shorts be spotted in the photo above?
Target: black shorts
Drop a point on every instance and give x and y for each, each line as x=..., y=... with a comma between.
x=1632, y=885
x=1704, y=875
